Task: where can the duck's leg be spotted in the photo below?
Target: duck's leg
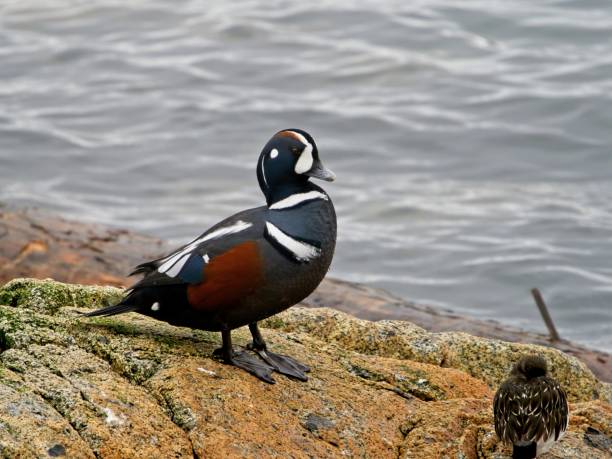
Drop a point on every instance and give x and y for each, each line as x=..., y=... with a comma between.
x=244, y=360
x=281, y=363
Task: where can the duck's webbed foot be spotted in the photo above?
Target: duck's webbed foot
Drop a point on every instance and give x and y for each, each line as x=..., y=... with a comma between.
x=284, y=364
x=253, y=365
x=244, y=360
x=280, y=363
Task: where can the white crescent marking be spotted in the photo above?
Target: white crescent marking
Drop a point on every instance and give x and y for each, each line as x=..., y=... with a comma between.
x=174, y=270
x=174, y=262
x=304, y=163
x=298, y=198
x=301, y=250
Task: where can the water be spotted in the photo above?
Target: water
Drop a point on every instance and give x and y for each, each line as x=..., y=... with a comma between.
x=471, y=139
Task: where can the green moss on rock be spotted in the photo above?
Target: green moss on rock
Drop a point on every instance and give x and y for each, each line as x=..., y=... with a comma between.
x=387, y=338
x=130, y=386
x=491, y=360
x=48, y=296
x=486, y=359
x=22, y=327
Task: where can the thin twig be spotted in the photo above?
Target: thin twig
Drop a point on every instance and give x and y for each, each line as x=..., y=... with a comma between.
x=552, y=331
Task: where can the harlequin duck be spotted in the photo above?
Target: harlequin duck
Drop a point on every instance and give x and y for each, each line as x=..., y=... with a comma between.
x=530, y=409
x=251, y=265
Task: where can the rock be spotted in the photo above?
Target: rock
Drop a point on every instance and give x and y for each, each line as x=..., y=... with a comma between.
x=597, y=439
x=463, y=429
x=48, y=296
x=29, y=426
x=129, y=386
x=376, y=304
x=486, y=359
x=36, y=244
x=491, y=360
x=389, y=338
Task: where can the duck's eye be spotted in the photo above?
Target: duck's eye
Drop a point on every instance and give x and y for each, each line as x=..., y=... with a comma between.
x=295, y=150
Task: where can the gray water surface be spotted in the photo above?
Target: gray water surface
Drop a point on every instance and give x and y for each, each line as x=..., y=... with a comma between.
x=471, y=139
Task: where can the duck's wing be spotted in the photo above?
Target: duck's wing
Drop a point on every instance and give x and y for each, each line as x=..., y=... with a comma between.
x=188, y=264
x=217, y=268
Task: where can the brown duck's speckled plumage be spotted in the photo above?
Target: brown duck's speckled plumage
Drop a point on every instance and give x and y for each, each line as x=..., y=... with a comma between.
x=530, y=406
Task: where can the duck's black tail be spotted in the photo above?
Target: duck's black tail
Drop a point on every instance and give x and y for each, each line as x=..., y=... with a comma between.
x=127, y=304
x=524, y=452
x=112, y=310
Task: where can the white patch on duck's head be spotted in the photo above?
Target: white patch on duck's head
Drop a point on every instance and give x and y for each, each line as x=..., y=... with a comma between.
x=306, y=160
x=304, y=163
x=273, y=153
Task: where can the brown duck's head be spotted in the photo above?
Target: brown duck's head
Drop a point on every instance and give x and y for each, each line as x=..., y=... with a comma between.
x=530, y=367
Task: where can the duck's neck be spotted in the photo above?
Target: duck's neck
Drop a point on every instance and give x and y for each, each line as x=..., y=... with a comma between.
x=280, y=192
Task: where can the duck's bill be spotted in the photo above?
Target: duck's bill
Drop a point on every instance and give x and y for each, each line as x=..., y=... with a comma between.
x=321, y=172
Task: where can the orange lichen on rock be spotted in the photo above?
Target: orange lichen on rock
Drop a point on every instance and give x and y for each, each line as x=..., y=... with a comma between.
x=130, y=387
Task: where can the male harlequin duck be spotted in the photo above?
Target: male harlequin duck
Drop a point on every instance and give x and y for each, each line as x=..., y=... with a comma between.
x=251, y=265
x=530, y=409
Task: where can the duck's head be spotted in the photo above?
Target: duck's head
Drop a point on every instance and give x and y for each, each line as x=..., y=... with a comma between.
x=288, y=161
